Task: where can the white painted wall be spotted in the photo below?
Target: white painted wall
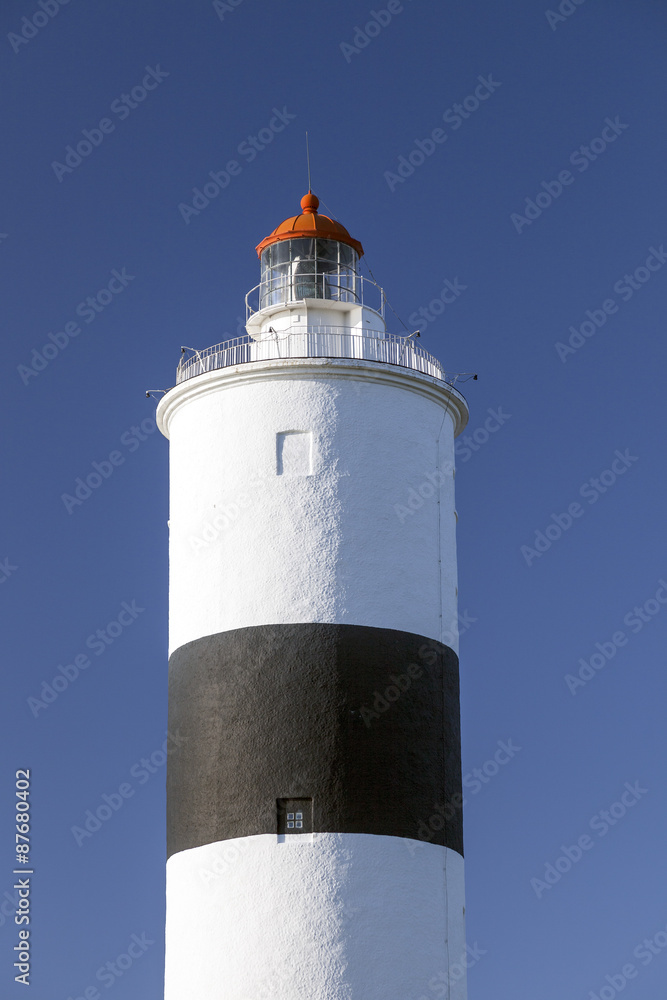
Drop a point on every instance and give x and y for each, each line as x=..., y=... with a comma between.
x=332, y=917
x=315, y=313
x=363, y=540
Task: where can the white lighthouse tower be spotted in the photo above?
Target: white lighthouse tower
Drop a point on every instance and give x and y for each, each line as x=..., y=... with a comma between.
x=314, y=808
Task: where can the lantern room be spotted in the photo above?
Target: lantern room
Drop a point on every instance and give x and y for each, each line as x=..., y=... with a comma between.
x=311, y=268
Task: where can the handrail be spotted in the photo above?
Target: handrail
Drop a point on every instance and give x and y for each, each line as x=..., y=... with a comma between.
x=336, y=286
x=314, y=342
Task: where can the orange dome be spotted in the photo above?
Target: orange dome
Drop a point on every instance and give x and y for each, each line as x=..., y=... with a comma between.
x=310, y=224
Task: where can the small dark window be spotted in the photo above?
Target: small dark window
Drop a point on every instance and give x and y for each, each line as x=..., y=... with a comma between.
x=295, y=815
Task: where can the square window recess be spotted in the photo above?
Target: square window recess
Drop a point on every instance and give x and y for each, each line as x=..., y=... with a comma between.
x=294, y=453
x=295, y=816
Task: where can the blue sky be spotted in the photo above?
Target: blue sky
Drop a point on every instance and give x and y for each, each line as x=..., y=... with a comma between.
x=570, y=132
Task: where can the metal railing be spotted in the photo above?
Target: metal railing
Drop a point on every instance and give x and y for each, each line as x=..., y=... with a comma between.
x=338, y=286
x=314, y=342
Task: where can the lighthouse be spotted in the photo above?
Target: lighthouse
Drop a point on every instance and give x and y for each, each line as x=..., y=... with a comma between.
x=314, y=828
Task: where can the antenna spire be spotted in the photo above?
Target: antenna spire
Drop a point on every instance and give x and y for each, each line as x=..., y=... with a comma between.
x=308, y=161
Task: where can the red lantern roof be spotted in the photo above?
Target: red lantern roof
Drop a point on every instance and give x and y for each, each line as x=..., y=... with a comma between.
x=309, y=224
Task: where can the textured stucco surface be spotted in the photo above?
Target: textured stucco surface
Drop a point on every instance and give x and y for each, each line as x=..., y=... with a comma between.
x=305, y=571
x=367, y=538
x=341, y=917
x=364, y=721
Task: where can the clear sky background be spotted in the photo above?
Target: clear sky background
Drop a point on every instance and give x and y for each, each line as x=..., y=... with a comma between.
x=553, y=86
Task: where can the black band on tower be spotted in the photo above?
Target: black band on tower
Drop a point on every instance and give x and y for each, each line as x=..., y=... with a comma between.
x=362, y=723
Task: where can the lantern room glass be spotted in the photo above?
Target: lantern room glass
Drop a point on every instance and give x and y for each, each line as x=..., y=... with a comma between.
x=308, y=269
